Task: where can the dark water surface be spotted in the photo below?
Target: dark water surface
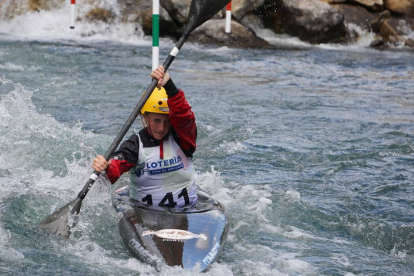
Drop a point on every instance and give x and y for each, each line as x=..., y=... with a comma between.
x=311, y=151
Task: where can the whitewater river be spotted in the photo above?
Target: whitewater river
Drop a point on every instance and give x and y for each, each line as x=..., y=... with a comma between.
x=310, y=149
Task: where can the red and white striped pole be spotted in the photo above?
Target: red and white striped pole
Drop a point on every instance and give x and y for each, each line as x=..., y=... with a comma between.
x=72, y=14
x=228, y=18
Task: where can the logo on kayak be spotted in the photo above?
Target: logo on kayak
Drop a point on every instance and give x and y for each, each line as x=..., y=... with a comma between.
x=174, y=234
x=212, y=254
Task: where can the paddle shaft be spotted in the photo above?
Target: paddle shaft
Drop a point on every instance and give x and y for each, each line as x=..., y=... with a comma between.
x=133, y=116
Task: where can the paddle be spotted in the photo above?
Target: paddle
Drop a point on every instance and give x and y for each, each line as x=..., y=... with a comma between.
x=59, y=222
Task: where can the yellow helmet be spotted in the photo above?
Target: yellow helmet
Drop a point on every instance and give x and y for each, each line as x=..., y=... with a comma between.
x=157, y=102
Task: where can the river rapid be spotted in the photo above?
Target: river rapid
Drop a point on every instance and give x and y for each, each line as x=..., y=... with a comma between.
x=309, y=148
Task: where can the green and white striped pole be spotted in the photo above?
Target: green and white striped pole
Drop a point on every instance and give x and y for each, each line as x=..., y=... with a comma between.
x=155, y=33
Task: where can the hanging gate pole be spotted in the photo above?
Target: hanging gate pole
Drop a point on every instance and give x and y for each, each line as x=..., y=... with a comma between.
x=228, y=18
x=72, y=14
x=155, y=33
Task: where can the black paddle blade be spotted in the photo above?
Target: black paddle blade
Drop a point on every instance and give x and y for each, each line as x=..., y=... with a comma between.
x=203, y=10
x=61, y=221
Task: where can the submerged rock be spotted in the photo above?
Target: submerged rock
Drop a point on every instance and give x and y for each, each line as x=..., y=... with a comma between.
x=378, y=43
x=356, y=15
x=405, y=7
x=177, y=10
x=99, y=14
x=11, y=8
x=37, y=5
x=314, y=21
x=212, y=32
x=374, y=5
x=140, y=12
x=409, y=42
x=382, y=27
x=241, y=8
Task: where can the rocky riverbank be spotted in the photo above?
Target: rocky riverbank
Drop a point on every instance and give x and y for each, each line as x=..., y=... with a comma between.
x=312, y=21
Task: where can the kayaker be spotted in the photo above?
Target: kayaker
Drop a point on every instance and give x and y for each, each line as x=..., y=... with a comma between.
x=159, y=157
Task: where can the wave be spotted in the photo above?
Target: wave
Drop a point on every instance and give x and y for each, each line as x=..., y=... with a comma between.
x=8, y=66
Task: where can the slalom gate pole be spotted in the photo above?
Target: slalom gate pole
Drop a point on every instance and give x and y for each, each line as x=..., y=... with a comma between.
x=228, y=18
x=72, y=14
x=155, y=33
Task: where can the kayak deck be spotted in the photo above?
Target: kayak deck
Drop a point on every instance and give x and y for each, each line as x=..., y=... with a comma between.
x=189, y=237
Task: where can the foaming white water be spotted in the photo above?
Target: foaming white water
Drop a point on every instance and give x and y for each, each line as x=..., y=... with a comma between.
x=342, y=259
x=252, y=211
x=15, y=67
x=29, y=141
x=360, y=45
x=54, y=25
x=254, y=215
x=22, y=126
x=214, y=185
x=98, y=256
x=5, y=236
x=40, y=156
x=231, y=147
x=363, y=41
x=282, y=40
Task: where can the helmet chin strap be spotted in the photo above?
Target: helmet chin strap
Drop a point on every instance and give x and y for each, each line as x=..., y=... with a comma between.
x=145, y=124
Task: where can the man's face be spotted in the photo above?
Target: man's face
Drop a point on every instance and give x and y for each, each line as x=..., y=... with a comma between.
x=158, y=124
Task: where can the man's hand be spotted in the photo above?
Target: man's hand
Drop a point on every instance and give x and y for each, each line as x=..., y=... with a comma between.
x=161, y=76
x=100, y=164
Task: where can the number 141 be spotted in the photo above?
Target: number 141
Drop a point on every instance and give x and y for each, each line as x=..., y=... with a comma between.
x=168, y=200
